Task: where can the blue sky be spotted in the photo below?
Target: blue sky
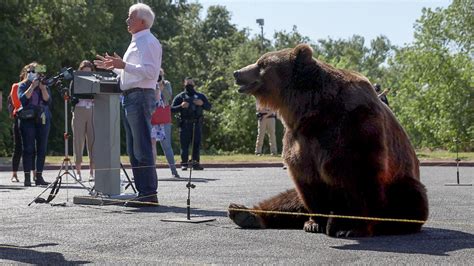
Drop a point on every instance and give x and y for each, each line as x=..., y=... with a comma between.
x=320, y=19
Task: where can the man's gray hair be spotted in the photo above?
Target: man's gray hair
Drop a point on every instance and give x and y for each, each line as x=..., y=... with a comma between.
x=143, y=12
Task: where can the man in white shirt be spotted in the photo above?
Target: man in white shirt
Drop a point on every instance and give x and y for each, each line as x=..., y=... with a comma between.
x=139, y=70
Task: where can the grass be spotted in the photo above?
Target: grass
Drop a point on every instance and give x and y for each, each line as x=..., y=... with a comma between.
x=423, y=155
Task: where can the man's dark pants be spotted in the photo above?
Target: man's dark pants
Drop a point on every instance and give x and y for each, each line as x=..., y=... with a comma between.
x=186, y=136
x=138, y=107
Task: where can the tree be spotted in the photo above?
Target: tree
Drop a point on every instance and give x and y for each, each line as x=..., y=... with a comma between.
x=433, y=79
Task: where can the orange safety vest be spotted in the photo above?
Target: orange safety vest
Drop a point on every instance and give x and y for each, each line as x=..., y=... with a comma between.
x=15, y=99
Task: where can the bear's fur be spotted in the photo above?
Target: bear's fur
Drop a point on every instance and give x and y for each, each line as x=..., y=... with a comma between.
x=345, y=151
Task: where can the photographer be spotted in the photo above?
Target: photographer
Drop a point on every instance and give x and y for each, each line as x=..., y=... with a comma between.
x=382, y=94
x=190, y=104
x=35, y=120
x=266, y=125
x=82, y=129
x=14, y=105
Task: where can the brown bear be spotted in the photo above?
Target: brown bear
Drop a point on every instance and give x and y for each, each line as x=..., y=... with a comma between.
x=345, y=150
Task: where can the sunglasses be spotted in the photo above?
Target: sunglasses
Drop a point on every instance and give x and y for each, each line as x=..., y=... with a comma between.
x=31, y=71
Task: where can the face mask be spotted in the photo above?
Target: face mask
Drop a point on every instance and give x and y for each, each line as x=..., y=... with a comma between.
x=190, y=89
x=32, y=76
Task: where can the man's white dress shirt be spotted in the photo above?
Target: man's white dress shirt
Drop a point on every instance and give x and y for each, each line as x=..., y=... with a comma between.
x=142, y=62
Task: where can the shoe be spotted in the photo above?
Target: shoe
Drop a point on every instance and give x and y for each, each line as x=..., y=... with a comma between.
x=27, y=182
x=143, y=201
x=285, y=167
x=198, y=167
x=79, y=178
x=91, y=178
x=15, y=179
x=40, y=181
x=258, y=154
x=176, y=175
x=184, y=168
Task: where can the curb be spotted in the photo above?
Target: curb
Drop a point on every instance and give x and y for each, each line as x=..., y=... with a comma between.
x=7, y=168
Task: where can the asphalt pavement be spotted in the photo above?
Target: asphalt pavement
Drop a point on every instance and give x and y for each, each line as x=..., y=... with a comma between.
x=78, y=234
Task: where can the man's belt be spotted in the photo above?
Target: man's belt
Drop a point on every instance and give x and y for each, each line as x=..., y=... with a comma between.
x=132, y=90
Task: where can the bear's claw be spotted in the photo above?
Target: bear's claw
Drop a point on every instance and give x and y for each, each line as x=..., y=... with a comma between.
x=243, y=219
x=312, y=227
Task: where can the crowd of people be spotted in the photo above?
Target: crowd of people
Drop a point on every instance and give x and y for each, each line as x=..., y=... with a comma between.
x=148, y=104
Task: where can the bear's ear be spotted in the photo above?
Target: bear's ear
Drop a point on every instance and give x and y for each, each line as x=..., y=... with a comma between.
x=303, y=53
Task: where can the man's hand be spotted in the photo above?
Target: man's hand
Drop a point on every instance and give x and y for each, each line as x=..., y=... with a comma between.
x=109, y=62
x=184, y=105
x=198, y=102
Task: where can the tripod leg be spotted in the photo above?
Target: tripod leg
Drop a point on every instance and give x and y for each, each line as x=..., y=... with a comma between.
x=48, y=187
x=130, y=183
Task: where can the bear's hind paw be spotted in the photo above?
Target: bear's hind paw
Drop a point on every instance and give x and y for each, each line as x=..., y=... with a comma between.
x=243, y=218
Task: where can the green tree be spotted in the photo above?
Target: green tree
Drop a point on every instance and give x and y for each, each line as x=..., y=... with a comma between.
x=434, y=79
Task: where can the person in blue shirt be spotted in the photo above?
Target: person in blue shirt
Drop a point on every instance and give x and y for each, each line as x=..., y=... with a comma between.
x=34, y=95
x=190, y=105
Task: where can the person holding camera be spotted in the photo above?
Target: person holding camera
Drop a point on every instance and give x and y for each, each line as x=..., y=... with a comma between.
x=382, y=94
x=35, y=121
x=14, y=105
x=266, y=125
x=162, y=132
x=82, y=127
x=190, y=104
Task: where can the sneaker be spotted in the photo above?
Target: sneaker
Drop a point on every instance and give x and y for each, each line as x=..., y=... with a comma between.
x=79, y=178
x=258, y=154
x=15, y=179
x=176, y=175
x=91, y=178
x=184, y=168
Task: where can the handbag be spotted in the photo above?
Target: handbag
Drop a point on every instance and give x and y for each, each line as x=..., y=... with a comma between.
x=162, y=115
x=27, y=113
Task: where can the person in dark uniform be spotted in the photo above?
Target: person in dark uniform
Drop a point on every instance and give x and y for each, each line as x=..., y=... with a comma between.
x=382, y=94
x=190, y=105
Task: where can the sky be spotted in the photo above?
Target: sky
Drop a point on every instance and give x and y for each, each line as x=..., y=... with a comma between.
x=320, y=19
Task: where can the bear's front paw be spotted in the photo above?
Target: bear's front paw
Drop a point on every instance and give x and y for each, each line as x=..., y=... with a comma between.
x=312, y=227
x=243, y=218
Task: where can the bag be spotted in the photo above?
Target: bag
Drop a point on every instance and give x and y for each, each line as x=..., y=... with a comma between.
x=162, y=115
x=29, y=113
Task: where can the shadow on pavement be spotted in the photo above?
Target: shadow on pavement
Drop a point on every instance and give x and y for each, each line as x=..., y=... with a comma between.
x=12, y=187
x=185, y=179
x=26, y=254
x=179, y=210
x=431, y=241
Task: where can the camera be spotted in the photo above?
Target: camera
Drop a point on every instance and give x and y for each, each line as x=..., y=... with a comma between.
x=160, y=78
x=65, y=74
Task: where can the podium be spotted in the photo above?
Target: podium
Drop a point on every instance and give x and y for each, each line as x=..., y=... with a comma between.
x=106, y=123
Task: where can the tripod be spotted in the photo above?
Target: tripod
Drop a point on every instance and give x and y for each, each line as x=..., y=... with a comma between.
x=190, y=186
x=66, y=164
x=457, y=168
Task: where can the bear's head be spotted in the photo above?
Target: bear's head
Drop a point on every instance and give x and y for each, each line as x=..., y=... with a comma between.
x=296, y=85
x=280, y=75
